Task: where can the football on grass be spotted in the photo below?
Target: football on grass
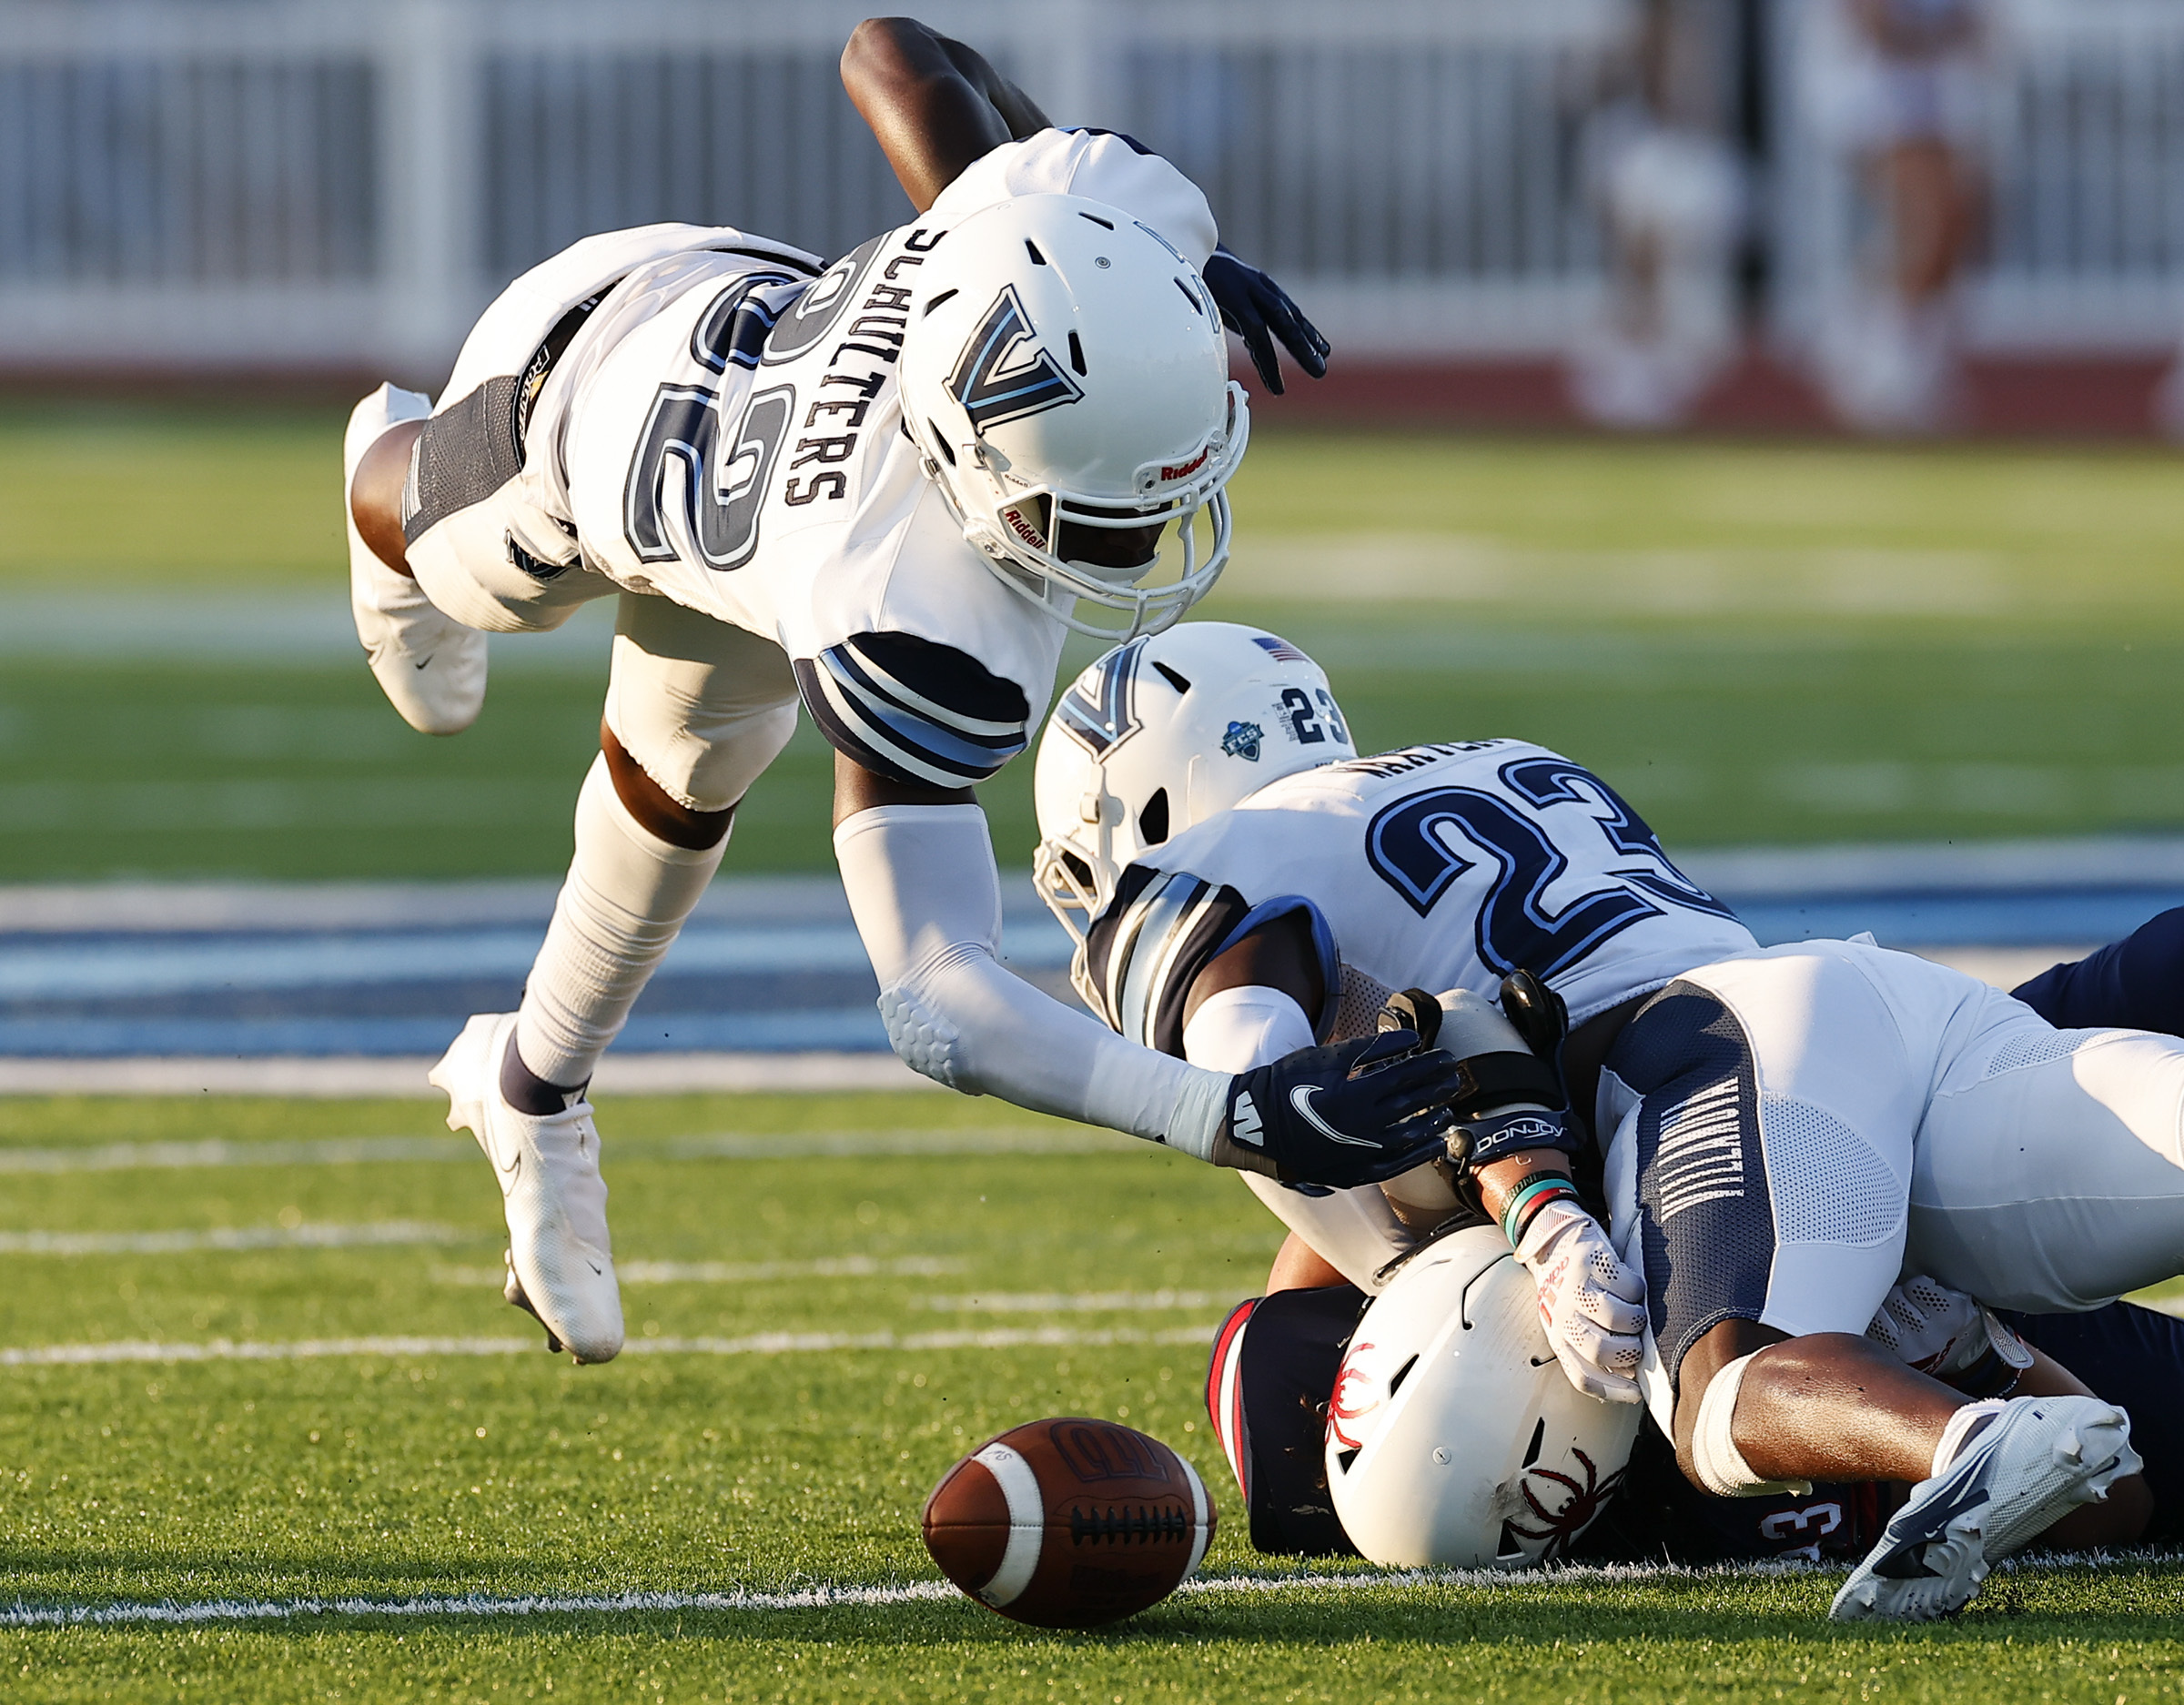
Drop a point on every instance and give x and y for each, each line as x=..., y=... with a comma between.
x=1069, y=1523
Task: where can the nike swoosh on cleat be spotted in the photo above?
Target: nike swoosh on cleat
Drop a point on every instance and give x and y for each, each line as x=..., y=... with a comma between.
x=1301, y=1098
x=1905, y=1559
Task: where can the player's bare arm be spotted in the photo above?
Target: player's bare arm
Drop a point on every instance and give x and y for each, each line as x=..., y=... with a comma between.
x=935, y=104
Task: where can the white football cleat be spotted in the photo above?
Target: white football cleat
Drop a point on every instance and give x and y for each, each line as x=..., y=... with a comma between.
x=430, y=666
x=560, y=1261
x=2037, y=1459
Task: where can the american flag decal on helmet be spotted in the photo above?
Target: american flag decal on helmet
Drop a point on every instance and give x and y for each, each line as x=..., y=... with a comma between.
x=1280, y=650
x=1102, y=712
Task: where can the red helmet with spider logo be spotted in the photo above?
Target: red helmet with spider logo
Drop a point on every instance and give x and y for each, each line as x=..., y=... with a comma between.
x=1453, y=1437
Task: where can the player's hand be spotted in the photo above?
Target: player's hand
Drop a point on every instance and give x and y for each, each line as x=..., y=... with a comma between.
x=1593, y=1305
x=1350, y=1115
x=1946, y=1334
x=1260, y=311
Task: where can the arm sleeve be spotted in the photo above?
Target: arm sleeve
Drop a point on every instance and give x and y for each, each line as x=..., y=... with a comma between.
x=2136, y=983
x=1354, y=1231
x=927, y=902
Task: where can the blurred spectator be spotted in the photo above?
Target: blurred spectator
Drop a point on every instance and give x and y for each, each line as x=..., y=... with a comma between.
x=1667, y=189
x=1912, y=109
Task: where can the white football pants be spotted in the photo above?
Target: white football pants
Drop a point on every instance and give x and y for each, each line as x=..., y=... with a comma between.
x=1796, y=1129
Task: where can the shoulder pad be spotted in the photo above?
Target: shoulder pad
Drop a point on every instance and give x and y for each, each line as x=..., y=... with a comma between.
x=1164, y=927
x=905, y=708
x=1142, y=953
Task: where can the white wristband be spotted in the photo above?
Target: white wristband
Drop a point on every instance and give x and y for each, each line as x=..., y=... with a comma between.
x=1715, y=1458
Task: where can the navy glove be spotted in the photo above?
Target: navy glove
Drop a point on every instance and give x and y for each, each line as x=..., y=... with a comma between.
x=1260, y=311
x=1350, y=1115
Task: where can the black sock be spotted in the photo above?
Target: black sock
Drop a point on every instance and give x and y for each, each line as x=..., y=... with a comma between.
x=525, y=1091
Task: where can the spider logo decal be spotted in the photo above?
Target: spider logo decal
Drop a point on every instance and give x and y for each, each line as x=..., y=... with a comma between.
x=1564, y=1525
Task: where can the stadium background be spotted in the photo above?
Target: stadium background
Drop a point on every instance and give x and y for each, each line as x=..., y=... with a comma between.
x=1898, y=659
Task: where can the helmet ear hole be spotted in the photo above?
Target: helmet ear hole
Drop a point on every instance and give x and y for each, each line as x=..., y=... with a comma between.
x=1152, y=822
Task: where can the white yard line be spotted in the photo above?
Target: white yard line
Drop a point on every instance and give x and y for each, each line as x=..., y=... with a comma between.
x=735, y=1272
x=305, y=1236
x=827, y=1597
x=402, y=1077
x=351, y=1151
x=1073, y=1302
x=756, y=1344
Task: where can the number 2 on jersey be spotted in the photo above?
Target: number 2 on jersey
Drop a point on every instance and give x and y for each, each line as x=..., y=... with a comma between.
x=691, y=495
x=1407, y=846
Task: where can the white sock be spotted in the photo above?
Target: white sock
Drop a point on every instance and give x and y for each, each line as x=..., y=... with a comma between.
x=1964, y=1427
x=625, y=899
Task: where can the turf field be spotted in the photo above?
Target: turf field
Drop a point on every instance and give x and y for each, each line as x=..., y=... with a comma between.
x=830, y=1300
x=259, y=1374
x=1757, y=644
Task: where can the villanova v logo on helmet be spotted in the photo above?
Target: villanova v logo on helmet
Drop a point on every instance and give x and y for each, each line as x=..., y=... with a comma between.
x=1102, y=711
x=1004, y=373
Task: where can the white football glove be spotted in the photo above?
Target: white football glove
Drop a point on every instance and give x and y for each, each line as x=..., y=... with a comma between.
x=1592, y=1304
x=1942, y=1332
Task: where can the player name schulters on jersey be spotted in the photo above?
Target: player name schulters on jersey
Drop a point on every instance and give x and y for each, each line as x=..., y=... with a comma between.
x=706, y=420
x=1436, y=867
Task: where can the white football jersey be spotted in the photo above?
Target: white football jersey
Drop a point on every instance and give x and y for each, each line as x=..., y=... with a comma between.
x=706, y=420
x=1434, y=867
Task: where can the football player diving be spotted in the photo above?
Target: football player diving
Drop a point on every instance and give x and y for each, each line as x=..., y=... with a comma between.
x=886, y=488
x=1784, y=1133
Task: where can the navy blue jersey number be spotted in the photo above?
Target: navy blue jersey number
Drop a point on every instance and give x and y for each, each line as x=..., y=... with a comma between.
x=1556, y=780
x=696, y=483
x=1405, y=843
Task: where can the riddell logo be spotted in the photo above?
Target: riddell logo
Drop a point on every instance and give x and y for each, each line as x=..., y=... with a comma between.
x=1188, y=469
x=1024, y=530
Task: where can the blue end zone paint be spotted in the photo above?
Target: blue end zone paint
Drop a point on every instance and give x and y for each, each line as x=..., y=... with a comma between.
x=765, y=973
x=2022, y=919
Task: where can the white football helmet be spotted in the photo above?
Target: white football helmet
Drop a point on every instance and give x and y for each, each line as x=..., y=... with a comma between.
x=1453, y=1437
x=1064, y=364
x=1161, y=734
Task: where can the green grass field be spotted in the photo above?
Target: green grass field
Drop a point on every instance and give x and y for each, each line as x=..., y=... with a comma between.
x=1769, y=643
x=394, y=1475
x=1759, y=643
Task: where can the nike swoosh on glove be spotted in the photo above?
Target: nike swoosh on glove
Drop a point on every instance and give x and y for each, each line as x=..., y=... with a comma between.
x=1592, y=1304
x=1259, y=310
x=1353, y=1114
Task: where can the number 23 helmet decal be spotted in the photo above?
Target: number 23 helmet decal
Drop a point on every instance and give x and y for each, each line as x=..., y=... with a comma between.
x=1065, y=378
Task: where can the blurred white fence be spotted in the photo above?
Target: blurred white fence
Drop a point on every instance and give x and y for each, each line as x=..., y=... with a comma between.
x=268, y=181
x=331, y=183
